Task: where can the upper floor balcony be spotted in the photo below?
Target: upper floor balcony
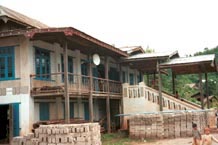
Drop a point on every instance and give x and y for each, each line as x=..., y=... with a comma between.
x=53, y=84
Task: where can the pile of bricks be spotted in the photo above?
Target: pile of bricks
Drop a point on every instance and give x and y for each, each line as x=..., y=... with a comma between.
x=168, y=125
x=64, y=134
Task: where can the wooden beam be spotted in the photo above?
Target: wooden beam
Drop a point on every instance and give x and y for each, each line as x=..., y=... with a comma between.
x=160, y=86
x=108, y=96
x=201, y=90
x=66, y=83
x=206, y=85
x=91, y=118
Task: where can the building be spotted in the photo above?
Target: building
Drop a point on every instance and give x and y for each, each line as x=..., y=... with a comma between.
x=33, y=75
x=51, y=73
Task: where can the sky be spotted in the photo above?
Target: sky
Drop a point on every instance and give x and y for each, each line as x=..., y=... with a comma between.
x=187, y=26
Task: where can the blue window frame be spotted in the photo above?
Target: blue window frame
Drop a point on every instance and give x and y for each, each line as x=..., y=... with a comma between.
x=42, y=63
x=7, y=63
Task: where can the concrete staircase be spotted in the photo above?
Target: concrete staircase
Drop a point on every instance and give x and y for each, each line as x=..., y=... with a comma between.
x=151, y=98
x=169, y=101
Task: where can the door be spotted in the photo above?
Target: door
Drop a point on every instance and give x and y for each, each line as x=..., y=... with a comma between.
x=71, y=110
x=16, y=118
x=86, y=110
x=131, y=79
x=43, y=111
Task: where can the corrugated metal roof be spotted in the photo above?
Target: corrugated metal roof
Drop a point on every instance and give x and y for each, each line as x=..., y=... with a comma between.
x=152, y=55
x=6, y=12
x=130, y=49
x=193, y=59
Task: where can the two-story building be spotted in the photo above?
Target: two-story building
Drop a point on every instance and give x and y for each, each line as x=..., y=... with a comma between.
x=41, y=66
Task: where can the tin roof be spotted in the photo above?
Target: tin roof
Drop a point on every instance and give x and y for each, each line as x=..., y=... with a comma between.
x=152, y=55
x=193, y=59
x=191, y=65
x=132, y=49
x=20, y=18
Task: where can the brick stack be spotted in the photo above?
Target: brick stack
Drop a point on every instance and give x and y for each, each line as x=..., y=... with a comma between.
x=146, y=126
x=65, y=134
x=168, y=125
x=183, y=124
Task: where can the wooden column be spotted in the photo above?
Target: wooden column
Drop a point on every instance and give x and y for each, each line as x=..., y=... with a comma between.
x=206, y=85
x=91, y=118
x=201, y=91
x=121, y=100
x=160, y=86
x=66, y=83
x=108, y=96
x=173, y=83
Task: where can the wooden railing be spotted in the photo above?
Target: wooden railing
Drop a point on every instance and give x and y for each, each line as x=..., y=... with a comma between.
x=80, y=84
x=152, y=95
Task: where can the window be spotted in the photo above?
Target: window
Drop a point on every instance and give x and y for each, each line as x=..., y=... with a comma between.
x=7, y=63
x=42, y=63
x=124, y=77
x=70, y=67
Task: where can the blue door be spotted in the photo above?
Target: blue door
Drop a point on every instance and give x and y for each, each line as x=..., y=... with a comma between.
x=131, y=79
x=71, y=110
x=86, y=110
x=16, y=118
x=43, y=111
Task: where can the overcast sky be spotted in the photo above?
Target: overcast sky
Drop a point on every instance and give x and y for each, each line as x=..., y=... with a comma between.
x=164, y=25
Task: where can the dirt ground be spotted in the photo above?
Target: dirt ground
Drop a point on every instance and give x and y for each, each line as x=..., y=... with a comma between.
x=178, y=141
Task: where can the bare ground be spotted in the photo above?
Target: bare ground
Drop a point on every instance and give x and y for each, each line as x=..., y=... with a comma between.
x=178, y=141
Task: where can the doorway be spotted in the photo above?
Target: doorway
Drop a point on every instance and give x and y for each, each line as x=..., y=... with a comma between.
x=4, y=124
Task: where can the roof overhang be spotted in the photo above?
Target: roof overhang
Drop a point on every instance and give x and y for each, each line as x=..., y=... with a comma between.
x=147, y=62
x=75, y=39
x=191, y=65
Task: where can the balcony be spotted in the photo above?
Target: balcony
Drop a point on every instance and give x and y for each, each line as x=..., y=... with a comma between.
x=53, y=84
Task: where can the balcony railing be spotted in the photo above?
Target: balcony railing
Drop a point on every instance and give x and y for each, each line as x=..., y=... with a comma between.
x=79, y=84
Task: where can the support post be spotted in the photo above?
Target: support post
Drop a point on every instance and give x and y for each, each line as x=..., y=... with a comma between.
x=91, y=118
x=201, y=91
x=108, y=96
x=206, y=85
x=173, y=83
x=66, y=83
x=160, y=86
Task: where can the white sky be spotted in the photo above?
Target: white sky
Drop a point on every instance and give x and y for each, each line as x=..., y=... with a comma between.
x=164, y=25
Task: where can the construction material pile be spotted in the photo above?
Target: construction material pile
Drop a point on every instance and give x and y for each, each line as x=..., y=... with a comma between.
x=169, y=125
x=65, y=134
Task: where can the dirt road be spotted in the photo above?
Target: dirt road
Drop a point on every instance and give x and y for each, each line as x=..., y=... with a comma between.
x=178, y=141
